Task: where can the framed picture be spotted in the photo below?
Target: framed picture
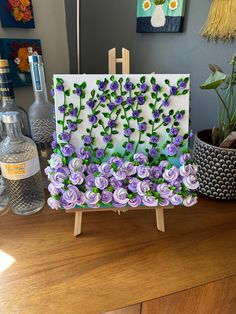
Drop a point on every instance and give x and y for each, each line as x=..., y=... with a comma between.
x=17, y=13
x=17, y=52
x=160, y=16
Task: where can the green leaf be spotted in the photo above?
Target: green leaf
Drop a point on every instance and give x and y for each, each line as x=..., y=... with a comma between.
x=110, y=145
x=84, y=85
x=151, y=122
x=154, y=96
x=106, y=114
x=151, y=105
x=142, y=79
x=114, y=132
x=171, y=112
x=100, y=122
x=153, y=80
x=79, y=121
x=60, y=122
x=112, y=78
x=67, y=92
x=167, y=82
x=214, y=80
x=82, y=107
x=186, y=79
x=184, y=92
x=93, y=93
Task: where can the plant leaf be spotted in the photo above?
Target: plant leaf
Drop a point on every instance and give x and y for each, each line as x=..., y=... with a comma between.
x=214, y=80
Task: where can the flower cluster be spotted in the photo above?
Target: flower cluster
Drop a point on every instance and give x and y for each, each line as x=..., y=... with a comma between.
x=21, y=10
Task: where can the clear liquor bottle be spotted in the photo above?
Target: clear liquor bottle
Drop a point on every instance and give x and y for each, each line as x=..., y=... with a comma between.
x=41, y=114
x=8, y=98
x=20, y=168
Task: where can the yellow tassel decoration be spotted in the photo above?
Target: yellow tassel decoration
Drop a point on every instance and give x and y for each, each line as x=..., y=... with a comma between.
x=221, y=21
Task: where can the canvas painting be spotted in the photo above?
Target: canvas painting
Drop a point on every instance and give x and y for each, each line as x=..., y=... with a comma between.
x=160, y=16
x=17, y=13
x=17, y=52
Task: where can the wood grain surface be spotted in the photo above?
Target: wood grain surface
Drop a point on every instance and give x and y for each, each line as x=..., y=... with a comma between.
x=118, y=260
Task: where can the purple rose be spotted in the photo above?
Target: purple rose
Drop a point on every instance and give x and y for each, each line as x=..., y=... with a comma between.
x=120, y=175
x=90, y=103
x=49, y=172
x=102, y=98
x=170, y=175
x=171, y=149
x=135, y=114
x=90, y=181
x=115, y=183
x=174, y=131
x=143, y=172
x=155, y=172
x=53, y=190
x=182, y=84
x=93, y=119
x=142, y=126
x=53, y=144
x=179, y=115
x=78, y=91
x=129, y=168
x=101, y=182
x=164, y=202
x=191, y=182
x=60, y=87
x=119, y=100
x=106, y=197
x=129, y=147
x=153, y=152
x=82, y=153
x=164, y=190
x=77, y=178
x=185, y=157
x=119, y=205
x=116, y=160
x=190, y=201
x=149, y=201
x=54, y=136
x=100, y=153
x=176, y=199
x=92, y=198
x=111, y=106
x=52, y=93
x=72, y=126
x=71, y=195
x=120, y=196
x=141, y=158
x=68, y=150
x=164, y=164
x=165, y=102
x=143, y=88
x=105, y=169
x=87, y=139
x=57, y=179
x=156, y=88
x=111, y=123
x=173, y=90
x=92, y=168
x=143, y=187
x=107, y=138
x=73, y=112
x=75, y=164
x=167, y=120
x=102, y=86
x=128, y=86
x=141, y=99
x=62, y=109
x=65, y=136
x=65, y=170
x=114, y=86
x=154, y=139
x=135, y=201
x=56, y=161
x=186, y=170
x=132, y=186
x=130, y=100
x=156, y=114
x=127, y=132
x=178, y=140
x=54, y=203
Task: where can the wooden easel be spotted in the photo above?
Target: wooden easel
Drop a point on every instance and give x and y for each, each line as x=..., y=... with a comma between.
x=112, y=61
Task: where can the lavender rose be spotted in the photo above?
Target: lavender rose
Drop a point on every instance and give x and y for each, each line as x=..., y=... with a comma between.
x=190, y=201
x=129, y=168
x=143, y=87
x=105, y=169
x=155, y=172
x=186, y=170
x=154, y=139
x=128, y=86
x=156, y=87
x=176, y=199
x=132, y=186
x=135, y=201
x=115, y=183
x=173, y=90
x=191, y=182
x=120, y=196
x=71, y=195
x=75, y=164
x=142, y=126
x=100, y=153
x=106, y=197
x=77, y=178
x=92, y=168
x=82, y=153
x=164, y=202
x=68, y=150
x=127, y=132
x=65, y=170
x=143, y=172
x=90, y=103
x=87, y=139
x=53, y=190
x=143, y=187
x=164, y=190
x=116, y=160
x=141, y=99
x=185, y=157
x=164, y=164
x=57, y=179
x=54, y=203
x=93, y=119
x=119, y=100
x=156, y=114
x=149, y=201
x=141, y=158
x=178, y=140
x=65, y=136
x=107, y=138
x=130, y=100
x=114, y=86
x=101, y=182
x=165, y=102
x=92, y=198
x=171, y=149
x=56, y=161
x=90, y=181
x=129, y=147
x=120, y=174
x=170, y=175
x=135, y=114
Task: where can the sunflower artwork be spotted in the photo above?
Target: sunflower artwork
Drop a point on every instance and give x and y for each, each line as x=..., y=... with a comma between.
x=17, y=52
x=17, y=13
x=160, y=16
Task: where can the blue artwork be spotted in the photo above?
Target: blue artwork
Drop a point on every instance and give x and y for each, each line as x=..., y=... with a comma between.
x=160, y=16
x=17, y=13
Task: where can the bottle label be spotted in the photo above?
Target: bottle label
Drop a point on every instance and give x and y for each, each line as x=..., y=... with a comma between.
x=6, y=87
x=21, y=170
x=37, y=77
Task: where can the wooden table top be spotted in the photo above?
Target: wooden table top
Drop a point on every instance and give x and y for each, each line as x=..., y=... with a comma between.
x=116, y=262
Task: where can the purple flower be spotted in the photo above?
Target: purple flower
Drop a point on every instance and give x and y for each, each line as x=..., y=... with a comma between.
x=142, y=126
x=82, y=153
x=65, y=170
x=130, y=100
x=106, y=197
x=102, y=86
x=127, y=132
x=90, y=103
x=173, y=90
x=178, y=140
x=129, y=147
x=87, y=139
x=111, y=106
x=179, y=115
x=174, y=131
x=93, y=119
x=100, y=153
x=105, y=169
x=141, y=99
x=53, y=190
x=167, y=119
x=78, y=91
x=77, y=178
x=54, y=144
x=92, y=198
x=186, y=170
x=116, y=160
x=57, y=179
x=164, y=190
x=72, y=126
x=185, y=157
x=128, y=86
x=143, y=87
x=165, y=102
x=154, y=139
x=143, y=171
x=171, y=149
x=141, y=158
x=92, y=168
x=119, y=100
x=60, y=87
x=129, y=168
x=120, y=175
x=156, y=88
x=164, y=163
x=135, y=114
x=191, y=182
x=102, y=98
x=176, y=199
x=135, y=201
x=182, y=84
x=101, y=182
x=156, y=114
x=143, y=187
x=62, y=109
x=68, y=150
x=149, y=201
x=54, y=203
x=111, y=123
x=52, y=93
x=114, y=86
x=155, y=172
x=54, y=136
x=74, y=112
x=90, y=181
x=115, y=183
x=65, y=136
x=120, y=196
x=190, y=201
x=164, y=202
x=132, y=186
x=107, y=138
x=55, y=161
x=153, y=152
x=75, y=164
x=170, y=175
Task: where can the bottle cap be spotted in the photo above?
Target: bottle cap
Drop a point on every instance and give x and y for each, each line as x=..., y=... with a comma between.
x=4, y=63
x=10, y=117
x=35, y=59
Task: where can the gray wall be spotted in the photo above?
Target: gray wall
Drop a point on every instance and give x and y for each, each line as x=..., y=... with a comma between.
x=112, y=23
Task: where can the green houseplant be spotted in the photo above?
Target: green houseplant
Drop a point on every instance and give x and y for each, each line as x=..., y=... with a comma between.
x=215, y=150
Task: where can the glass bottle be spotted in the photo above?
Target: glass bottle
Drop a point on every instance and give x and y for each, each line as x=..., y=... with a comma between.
x=8, y=98
x=20, y=168
x=41, y=114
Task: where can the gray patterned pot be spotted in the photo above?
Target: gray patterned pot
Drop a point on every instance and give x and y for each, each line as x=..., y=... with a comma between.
x=217, y=168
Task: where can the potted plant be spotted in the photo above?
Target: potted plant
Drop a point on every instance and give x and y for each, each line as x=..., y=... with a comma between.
x=215, y=150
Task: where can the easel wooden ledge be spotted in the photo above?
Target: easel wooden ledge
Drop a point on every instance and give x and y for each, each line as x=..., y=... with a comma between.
x=125, y=60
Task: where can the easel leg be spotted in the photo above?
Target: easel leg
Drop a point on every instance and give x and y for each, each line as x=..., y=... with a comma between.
x=160, y=219
x=78, y=223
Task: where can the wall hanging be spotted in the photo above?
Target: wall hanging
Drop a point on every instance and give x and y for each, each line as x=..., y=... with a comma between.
x=160, y=16
x=17, y=52
x=17, y=13
x=221, y=21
